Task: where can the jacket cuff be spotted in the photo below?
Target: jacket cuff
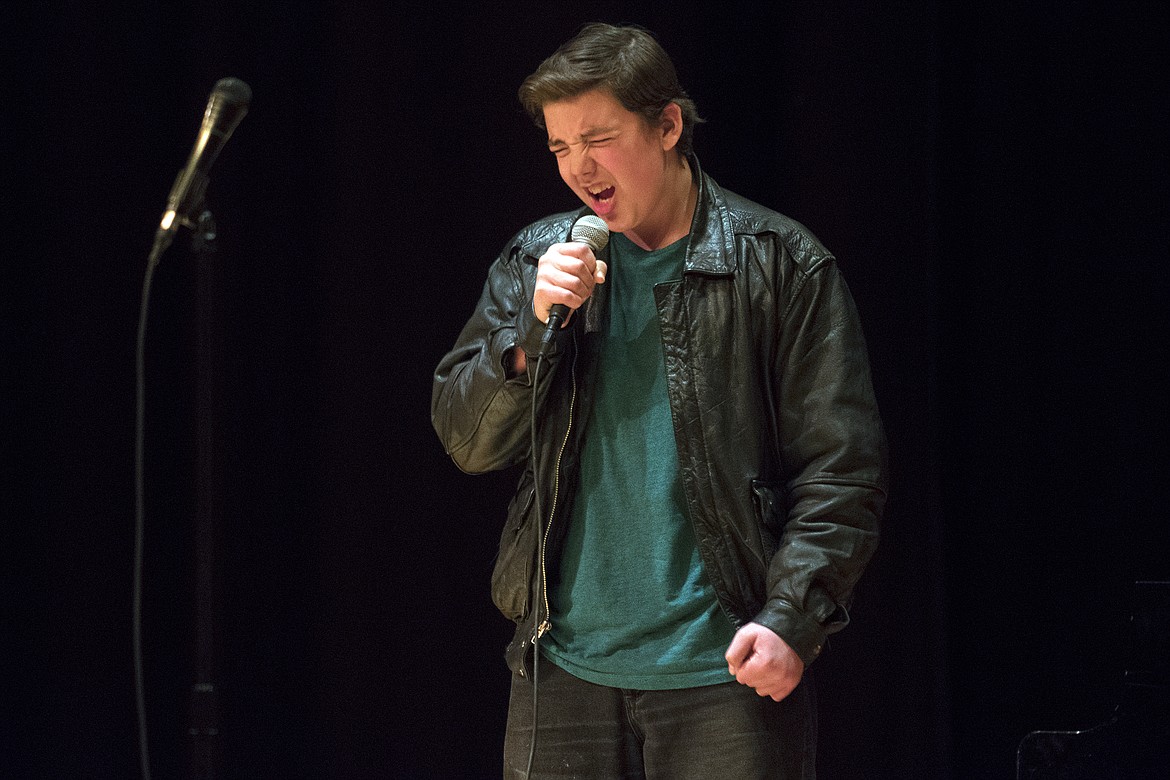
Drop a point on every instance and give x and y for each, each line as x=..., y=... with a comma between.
x=803, y=634
x=530, y=332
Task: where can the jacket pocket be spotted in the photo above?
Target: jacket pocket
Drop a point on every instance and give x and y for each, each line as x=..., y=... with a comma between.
x=512, y=575
x=771, y=516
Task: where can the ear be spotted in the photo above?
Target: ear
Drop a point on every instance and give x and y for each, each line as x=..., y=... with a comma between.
x=670, y=124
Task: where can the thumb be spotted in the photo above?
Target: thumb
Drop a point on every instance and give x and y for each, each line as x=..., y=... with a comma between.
x=600, y=271
x=738, y=651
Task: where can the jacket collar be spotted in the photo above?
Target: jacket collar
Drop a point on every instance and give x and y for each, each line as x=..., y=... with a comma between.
x=710, y=249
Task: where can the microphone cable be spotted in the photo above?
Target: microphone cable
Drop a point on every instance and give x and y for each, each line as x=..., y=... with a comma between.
x=537, y=601
x=160, y=244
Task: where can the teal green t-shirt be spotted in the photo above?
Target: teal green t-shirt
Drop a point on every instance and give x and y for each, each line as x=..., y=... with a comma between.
x=631, y=606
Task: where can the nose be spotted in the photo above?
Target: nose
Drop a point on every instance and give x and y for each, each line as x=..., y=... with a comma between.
x=580, y=162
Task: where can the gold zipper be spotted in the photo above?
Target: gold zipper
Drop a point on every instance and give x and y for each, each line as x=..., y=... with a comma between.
x=545, y=624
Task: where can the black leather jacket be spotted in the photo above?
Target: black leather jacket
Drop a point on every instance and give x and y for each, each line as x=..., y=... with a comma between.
x=781, y=450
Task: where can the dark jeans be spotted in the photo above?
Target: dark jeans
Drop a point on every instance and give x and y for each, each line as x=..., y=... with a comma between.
x=708, y=733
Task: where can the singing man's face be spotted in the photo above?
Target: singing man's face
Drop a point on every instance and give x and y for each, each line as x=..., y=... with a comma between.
x=614, y=160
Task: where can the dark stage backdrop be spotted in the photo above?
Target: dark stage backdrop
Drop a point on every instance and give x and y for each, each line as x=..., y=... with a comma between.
x=992, y=177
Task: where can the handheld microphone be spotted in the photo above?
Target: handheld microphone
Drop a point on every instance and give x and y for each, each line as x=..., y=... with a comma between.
x=592, y=231
x=225, y=108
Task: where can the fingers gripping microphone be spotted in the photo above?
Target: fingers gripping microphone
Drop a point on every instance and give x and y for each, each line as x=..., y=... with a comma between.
x=592, y=231
x=225, y=108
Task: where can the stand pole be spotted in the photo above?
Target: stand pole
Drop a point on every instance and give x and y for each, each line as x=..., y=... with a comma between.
x=205, y=716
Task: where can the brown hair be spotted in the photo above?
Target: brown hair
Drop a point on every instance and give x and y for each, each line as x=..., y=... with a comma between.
x=627, y=61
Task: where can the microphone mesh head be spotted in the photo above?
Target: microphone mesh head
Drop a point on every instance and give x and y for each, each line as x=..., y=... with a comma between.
x=233, y=91
x=592, y=230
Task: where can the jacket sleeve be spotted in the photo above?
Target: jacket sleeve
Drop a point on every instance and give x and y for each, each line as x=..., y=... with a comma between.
x=481, y=415
x=833, y=453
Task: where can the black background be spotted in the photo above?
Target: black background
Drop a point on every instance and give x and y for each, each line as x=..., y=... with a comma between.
x=992, y=177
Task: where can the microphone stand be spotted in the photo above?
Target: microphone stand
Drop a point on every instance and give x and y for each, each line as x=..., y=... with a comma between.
x=205, y=743
x=204, y=757
x=225, y=108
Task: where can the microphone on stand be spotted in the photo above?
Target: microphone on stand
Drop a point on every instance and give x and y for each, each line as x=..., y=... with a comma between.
x=225, y=108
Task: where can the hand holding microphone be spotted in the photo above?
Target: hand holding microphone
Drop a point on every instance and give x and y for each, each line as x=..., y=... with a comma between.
x=568, y=273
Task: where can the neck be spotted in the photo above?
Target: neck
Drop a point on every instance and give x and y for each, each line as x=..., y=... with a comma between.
x=679, y=195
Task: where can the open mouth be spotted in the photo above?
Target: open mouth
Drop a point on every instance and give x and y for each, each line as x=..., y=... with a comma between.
x=601, y=196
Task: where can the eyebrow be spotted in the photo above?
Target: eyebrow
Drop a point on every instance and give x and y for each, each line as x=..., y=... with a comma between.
x=590, y=133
